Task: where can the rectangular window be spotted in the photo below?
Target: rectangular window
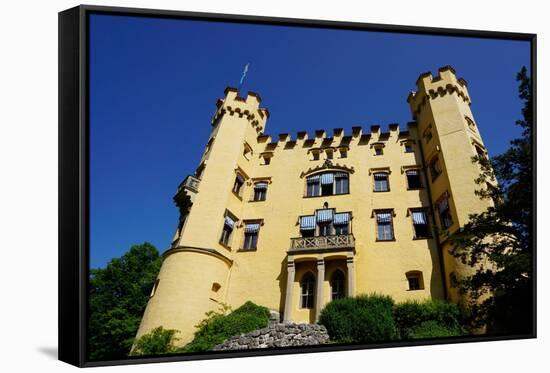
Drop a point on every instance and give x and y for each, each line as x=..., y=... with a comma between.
x=420, y=224
x=238, y=185
x=480, y=151
x=445, y=217
x=324, y=219
x=330, y=154
x=341, y=229
x=413, y=179
x=251, y=232
x=260, y=191
x=414, y=283
x=247, y=152
x=325, y=229
x=381, y=183
x=384, y=231
x=341, y=223
x=343, y=153
x=155, y=287
x=341, y=183
x=409, y=148
x=313, y=186
x=259, y=194
x=428, y=136
x=327, y=184
x=307, y=225
x=307, y=233
x=378, y=150
x=227, y=231
x=435, y=168
x=327, y=190
x=307, y=291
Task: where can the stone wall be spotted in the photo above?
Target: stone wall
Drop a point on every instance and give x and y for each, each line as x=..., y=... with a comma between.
x=277, y=335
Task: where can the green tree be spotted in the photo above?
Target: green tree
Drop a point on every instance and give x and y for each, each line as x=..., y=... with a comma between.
x=502, y=235
x=429, y=318
x=118, y=295
x=158, y=341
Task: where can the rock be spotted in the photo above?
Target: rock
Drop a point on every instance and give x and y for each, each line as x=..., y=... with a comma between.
x=255, y=333
x=277, y=335
x=274, y=317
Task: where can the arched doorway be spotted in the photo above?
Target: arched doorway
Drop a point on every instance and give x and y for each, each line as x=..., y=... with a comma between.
x=337, y=285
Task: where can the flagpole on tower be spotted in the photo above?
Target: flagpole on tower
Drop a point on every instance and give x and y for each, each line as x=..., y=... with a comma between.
x=243, y=77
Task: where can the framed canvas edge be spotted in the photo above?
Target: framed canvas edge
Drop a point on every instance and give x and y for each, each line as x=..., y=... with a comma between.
x=73, y=192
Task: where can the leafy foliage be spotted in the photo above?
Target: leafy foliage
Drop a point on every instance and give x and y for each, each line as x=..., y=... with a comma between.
x=219, y=325
x=118, y=296
x=158, y=341
x=502, y=235
x=363, y=319
x=432, y=329
x=430, y=318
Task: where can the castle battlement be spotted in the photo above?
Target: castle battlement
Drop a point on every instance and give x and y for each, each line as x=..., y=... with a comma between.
x=429, y=88
x=340, y=137
x=244, y=107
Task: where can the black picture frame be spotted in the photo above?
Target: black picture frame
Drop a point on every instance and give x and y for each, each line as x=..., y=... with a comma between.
x=74, y=175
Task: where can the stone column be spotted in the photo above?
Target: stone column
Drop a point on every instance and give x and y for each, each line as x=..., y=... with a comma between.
x=289, y=286
x=351, y=277
x=319, y=291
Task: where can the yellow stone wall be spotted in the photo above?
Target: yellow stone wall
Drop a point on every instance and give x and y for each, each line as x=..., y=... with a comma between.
x=197, y=260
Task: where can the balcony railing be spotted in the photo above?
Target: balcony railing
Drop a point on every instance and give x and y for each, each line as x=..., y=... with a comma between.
x=191, y=183
x=342, y=241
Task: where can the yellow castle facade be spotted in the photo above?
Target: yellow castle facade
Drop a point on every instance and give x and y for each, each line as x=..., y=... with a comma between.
x=293, y=222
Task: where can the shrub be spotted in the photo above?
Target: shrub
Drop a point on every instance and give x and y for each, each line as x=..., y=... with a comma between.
x=363, y=319
x=428, y=318
x=432, y=329
x=218, y=326
x=158, y=341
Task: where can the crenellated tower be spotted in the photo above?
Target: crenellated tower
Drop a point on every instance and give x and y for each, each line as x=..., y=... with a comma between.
x=195, y=271
x=449, y=138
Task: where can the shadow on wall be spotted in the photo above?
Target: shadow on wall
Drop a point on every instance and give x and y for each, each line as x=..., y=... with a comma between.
x=436, y=279
x=282, y=287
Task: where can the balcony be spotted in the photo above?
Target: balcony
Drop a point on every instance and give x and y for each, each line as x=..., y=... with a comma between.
x=185, y=194
x=343, y=242
x=191, y=183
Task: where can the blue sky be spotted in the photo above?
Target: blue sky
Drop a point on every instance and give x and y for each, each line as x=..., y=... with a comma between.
x=154, y=84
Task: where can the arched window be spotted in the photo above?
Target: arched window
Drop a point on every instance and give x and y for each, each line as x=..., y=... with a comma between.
x=327, y=184
x=307, y=286
x=415, y=280
x=337, y=285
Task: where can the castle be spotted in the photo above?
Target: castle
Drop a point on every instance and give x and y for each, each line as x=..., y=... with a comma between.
x=294, y=222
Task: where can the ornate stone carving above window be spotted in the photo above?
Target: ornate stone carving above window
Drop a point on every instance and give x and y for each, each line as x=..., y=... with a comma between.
x=327, y=165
